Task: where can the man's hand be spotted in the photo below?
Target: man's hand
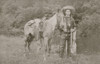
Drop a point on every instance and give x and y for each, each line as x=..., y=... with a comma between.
x=74, y=29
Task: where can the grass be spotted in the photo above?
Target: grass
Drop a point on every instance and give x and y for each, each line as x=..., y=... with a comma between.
x=12, y=52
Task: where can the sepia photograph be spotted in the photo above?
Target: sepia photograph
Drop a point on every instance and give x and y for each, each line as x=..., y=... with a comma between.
x=49, y=31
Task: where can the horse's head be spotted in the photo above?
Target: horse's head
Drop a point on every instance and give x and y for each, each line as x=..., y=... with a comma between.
x=42, y=22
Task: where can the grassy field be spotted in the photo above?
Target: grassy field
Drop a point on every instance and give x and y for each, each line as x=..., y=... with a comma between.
x=12, y=52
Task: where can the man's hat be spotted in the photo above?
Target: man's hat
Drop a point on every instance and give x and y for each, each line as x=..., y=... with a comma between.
x=69, y=8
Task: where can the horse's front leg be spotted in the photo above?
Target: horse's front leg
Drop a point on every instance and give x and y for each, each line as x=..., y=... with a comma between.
x=49, y=46
x=45, y=47
x=41, y=39
x=40, y=44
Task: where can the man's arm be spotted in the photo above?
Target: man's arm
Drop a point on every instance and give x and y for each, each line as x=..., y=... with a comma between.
x=73, y=29
x=73, y=25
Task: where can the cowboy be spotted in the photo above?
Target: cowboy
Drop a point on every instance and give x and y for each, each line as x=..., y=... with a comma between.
x=71, y=30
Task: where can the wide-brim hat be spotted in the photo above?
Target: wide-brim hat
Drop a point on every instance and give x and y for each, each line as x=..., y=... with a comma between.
x=69, y=8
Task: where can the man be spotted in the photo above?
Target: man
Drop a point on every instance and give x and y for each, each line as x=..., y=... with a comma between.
x=71, y=30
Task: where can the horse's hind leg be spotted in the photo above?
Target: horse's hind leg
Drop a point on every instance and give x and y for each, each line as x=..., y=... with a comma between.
x=26, y=44
x=26, y=47
x=28, y=41
x=29, y=46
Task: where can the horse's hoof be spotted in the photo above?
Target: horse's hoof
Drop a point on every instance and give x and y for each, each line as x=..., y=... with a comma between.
x=44, y=58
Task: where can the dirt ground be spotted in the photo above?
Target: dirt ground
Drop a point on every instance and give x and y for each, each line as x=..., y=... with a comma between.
x=12, y=52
